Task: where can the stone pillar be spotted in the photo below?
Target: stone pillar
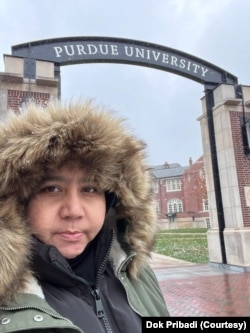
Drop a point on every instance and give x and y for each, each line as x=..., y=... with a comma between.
x=234, y=176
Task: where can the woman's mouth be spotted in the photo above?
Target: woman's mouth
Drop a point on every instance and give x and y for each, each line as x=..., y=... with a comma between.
x=71, y=236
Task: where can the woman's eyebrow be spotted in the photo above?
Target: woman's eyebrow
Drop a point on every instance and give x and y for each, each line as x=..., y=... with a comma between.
x=48, y=178
x=52, y=178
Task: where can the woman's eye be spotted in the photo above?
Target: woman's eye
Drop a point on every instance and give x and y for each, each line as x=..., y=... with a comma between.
x=50, y=189
x=89, y=189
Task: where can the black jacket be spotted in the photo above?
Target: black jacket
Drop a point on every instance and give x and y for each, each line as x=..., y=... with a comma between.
x=78, y=290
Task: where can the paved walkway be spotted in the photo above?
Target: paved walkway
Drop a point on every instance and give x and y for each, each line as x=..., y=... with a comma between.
x=196, y=290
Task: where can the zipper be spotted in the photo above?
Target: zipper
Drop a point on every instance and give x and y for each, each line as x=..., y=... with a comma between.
x=98, y=303
x=95, y=292
x=104, y=261
x=100, y=311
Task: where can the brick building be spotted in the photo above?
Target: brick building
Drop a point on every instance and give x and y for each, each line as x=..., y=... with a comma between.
x=180, y=193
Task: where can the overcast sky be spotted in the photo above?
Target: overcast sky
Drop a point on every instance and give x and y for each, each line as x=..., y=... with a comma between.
x=161, y=107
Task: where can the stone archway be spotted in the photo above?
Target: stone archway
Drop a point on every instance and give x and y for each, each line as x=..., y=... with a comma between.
x=37, y=64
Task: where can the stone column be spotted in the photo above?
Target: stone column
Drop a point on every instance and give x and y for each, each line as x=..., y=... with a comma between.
x=234, y=176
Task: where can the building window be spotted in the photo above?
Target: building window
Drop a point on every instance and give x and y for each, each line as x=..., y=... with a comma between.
x=157, y=207
x=202, y=173
x=175, y=206
x=205, y=204
x=155, y=187
x=173, y=184
x=208, y=223
x=245, y=127
x=248, y=132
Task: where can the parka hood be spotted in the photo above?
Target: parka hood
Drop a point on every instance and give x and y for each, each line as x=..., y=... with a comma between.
x=39, y=139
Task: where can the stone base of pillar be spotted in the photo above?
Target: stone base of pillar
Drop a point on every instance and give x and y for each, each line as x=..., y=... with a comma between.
x=237, y=247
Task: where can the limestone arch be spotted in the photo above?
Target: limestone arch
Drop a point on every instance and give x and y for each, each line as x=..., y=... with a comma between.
x=79, y=50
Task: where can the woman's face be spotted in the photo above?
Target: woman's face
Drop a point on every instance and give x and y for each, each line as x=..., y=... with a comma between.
x=67, y=211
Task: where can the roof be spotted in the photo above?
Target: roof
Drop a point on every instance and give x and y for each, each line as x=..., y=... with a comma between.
x=168, y=171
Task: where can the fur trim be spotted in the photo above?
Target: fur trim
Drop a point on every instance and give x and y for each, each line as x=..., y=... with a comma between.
x=118, y=256
x=39, y=139
x=15, y=243
x=33, y=287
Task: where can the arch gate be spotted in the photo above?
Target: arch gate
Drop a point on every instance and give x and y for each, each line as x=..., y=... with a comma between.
x=224, y=122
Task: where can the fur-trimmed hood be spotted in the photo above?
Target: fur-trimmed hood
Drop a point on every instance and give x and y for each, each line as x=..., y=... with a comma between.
x=38, y=139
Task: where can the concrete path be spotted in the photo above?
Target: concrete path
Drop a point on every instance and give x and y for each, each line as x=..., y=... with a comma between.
x=159, y=261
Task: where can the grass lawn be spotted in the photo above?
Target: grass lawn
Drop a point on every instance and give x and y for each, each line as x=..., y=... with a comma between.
x=185, y=244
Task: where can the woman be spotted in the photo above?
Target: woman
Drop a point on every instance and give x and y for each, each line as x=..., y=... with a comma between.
x=77, y=221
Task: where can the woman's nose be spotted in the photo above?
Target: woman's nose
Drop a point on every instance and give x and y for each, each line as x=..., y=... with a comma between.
x=72, y=207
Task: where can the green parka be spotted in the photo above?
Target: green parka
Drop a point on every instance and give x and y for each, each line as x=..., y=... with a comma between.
x=42, y=139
